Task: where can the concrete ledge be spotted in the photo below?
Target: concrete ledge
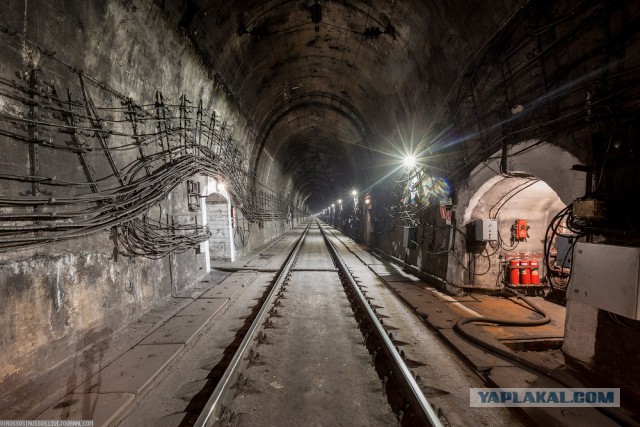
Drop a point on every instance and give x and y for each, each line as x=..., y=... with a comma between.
x=435, y=281
x=47, y=389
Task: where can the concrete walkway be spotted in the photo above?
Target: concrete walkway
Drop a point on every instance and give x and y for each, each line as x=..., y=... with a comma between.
x=106, y=378
x=440, y=313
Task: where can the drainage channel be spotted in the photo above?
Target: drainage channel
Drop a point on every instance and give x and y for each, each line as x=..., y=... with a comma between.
x=303, y=358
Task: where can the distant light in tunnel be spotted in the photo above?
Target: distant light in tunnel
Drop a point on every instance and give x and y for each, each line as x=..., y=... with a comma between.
x=340, y=201
x=354, y=192
x=333, y=205
x=410, y=161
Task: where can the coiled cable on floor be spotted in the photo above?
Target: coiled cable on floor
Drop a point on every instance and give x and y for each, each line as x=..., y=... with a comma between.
x=501, y=350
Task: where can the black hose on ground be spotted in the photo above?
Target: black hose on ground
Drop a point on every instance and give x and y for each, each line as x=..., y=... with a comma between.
x=621, y=415
x=502, y=350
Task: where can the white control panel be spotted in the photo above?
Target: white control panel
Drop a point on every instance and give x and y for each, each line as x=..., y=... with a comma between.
x=486, y=230
x=607, y=277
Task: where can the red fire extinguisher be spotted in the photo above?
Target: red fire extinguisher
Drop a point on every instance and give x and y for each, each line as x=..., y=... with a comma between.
x=535, y=272
x=525, y=272
x=514, y=272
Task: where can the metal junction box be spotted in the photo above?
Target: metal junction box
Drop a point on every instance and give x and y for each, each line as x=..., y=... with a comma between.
x=486, y=230
x=588, y=209
x=607, y=277
x=564, y=251
x=409, y=237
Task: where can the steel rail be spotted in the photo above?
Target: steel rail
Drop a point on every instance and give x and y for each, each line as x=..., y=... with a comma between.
x=421, y=406
x=213, y=409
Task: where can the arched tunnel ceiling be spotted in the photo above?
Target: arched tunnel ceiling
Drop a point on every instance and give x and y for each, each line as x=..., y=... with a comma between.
x=328, y=98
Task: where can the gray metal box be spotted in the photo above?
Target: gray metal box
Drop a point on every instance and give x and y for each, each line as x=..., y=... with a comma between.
x=486, y=230
x=606, y=277
x=409, y=236
x=564, y=251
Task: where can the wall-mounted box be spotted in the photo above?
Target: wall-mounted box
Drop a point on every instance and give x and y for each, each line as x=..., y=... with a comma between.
x=409, y=237
x=564, y=255
x=607, y=277
x=193, y=195
x=588, y=209
x=486, y=230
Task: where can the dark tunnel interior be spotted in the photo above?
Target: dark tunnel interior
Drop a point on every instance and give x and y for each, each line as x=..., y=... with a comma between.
x=487, y=149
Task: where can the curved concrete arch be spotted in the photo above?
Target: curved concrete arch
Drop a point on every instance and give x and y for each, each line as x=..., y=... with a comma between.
x=305, y=180
x=302, y=101
x=548, y=162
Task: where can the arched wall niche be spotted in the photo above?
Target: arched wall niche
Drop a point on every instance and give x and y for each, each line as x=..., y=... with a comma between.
x=558, y=186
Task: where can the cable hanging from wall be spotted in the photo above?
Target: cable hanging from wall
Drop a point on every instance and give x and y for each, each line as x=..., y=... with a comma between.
x=102, y=160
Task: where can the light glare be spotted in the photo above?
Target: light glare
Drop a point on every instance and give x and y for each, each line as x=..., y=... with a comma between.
x=410, y=161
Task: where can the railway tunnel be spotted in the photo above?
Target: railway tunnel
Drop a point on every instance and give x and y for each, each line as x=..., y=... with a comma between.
x=463, y=172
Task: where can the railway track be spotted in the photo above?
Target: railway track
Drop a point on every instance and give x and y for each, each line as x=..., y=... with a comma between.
x=317, y=351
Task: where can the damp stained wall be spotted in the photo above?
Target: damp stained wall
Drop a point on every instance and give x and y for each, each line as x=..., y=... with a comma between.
x=57, y=298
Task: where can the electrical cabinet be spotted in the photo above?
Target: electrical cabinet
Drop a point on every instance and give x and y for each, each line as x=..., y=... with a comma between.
x=564, y=251
x=486, y=230
x=607, y=277
x=588, y=209
x=409, y=237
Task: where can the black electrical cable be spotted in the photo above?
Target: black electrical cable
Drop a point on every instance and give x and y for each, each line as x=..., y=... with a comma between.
x=125, y=202
x=551, y=234
x=622, y=321
x=521, y=188
x=510, y=355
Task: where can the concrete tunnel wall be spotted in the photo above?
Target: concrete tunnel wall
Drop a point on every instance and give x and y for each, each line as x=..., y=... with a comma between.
x=549, y=163
x=59, y=297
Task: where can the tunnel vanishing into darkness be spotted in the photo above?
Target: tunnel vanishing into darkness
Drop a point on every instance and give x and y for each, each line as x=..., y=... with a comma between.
x=143, y=140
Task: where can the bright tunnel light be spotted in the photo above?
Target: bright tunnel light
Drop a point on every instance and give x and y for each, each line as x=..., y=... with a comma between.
x=410, y=161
